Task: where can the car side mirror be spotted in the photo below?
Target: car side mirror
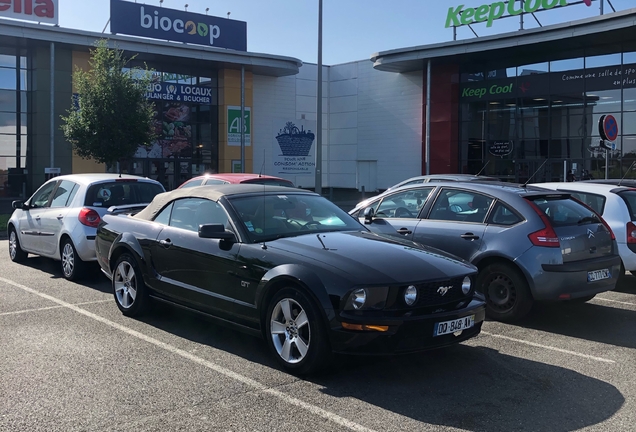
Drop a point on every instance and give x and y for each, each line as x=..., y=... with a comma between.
x=19, y=205
x=215, y=231
x=368, y=215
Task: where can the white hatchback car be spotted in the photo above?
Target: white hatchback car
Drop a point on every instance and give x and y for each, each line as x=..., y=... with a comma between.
x=60, y=219
x=617, y=205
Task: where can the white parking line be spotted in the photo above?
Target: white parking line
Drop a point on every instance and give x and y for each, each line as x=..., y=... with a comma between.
x=335, y=418
x=615, y=301
x=551, y=348
x=51, y=307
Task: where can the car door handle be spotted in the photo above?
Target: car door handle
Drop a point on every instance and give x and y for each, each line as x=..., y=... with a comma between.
x=165, y=243
x=60, y=217
x=404, y=231
x=469, y=236
x=37, y=218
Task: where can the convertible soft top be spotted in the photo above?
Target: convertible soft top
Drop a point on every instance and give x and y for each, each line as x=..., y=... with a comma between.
x=212, y=192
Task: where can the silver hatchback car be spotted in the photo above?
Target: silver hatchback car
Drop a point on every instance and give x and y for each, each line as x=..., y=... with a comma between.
x=530, y=244
x=60, y=219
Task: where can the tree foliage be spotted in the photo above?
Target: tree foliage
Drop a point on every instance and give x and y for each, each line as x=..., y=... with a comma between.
x=111, y=117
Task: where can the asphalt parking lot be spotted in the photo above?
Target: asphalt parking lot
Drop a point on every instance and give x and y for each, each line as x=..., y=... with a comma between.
x=69, y=361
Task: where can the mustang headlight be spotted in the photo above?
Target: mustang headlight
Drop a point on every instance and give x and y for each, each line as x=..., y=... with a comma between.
x=371, y=298
x=466, y=285
x=410, y=295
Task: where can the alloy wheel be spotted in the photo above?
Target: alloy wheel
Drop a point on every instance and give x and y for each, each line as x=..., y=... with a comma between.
x=290, y=331
x=68, y=259
x=125, y=282
x=13, y=245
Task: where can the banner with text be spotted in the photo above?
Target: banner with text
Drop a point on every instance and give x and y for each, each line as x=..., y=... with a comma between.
x=293, y=147
x=234, y=126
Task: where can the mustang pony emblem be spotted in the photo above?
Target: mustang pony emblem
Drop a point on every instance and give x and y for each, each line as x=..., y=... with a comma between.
x=444, y=289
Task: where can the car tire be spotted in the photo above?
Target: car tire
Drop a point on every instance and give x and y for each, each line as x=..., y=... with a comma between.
x=295, y=334
x=508, y=296
x=15, y=250
x=73, y=268
x=621, y=274
x=129, y=288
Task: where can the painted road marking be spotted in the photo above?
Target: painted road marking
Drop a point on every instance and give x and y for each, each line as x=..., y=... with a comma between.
x=335, y=418
x=615, y=301
x=551, y=348
x=52, y=307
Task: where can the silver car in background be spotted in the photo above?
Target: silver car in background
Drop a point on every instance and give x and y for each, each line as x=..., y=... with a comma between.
x=60, y=219
x=617, y=205
x=530, y=244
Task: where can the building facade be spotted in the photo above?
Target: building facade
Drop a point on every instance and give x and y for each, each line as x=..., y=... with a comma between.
x=511, y=106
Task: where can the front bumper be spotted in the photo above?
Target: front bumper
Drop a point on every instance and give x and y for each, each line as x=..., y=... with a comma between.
x=405, y=334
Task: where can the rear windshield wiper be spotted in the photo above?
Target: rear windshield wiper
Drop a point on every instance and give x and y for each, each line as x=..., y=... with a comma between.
x=588, y=219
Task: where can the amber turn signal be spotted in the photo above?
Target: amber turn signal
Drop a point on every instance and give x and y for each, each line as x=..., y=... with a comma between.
x=364, y=327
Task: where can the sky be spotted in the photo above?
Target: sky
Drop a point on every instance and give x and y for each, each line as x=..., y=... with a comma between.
x=352, y=29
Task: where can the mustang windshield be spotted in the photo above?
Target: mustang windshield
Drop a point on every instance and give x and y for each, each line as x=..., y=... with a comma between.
x=268, y=217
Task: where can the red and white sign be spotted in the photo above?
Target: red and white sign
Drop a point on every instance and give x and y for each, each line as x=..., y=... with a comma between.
x=45, y=11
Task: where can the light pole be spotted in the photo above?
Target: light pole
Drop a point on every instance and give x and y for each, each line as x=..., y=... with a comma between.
x=318, y=188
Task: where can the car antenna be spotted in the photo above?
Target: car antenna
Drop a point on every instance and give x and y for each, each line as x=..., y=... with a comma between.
x=260, y=173
x=483, y=168
x=534, y=173
x=626, y=172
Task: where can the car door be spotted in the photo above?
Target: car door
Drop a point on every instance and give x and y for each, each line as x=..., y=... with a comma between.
x=455, y=222
x=52, y=217
x=30, y=223
x=194, y=270
x=397, y=213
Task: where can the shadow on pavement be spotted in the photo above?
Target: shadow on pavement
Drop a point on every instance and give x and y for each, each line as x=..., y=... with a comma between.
x=93, y=279
x=473, y=388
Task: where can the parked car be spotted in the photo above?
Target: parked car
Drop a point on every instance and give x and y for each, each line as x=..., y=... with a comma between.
x=430, y=178
x=291, y=266
x=60, y=219
x=530, y=244
x=442, y=177
x=233, y=178
x=617, y=205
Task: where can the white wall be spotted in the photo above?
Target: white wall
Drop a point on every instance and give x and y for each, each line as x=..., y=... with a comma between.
x=370, y=118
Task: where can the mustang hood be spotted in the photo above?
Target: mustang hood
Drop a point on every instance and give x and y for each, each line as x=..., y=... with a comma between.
x=375, y=259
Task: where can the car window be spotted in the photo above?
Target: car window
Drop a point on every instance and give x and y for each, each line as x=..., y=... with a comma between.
x=108, y=194
x=503, y=215
x=214, y=182
x=64, y=193
x=597, y=202
x=41, y=196
x=630, y=199
x=192, y=183
x=406, y=204
x=562, y=211
x=412, y=182
x=270, y=182
x=189, y=213
x=268, y=217
x=460, y=206
x=164, y=215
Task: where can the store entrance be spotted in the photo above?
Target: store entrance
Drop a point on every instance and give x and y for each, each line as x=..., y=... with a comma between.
x=168, y=172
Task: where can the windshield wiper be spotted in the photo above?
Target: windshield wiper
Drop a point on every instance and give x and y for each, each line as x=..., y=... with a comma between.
x=588, y=219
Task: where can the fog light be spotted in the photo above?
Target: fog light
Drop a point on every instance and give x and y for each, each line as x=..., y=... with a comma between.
x=410, y=295
x=358, y=298
x=466, y=284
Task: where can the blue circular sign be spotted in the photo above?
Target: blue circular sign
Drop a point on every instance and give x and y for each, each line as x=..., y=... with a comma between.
x=608, y=127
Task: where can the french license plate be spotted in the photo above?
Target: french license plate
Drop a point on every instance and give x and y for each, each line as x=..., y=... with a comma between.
x=598, y=275
x=453, y=326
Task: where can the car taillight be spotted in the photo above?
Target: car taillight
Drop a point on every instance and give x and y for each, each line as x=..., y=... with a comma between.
x=545, y=237
x=631, y=233
x=608, y=227
x=89, y=217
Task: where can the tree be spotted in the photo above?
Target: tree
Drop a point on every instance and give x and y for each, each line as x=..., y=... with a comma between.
x=111, y=117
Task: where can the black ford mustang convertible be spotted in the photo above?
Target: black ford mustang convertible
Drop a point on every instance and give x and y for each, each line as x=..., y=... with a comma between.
x=292, y=267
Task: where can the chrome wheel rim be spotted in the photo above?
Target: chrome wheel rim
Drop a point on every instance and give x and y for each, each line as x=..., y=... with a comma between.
x=13, y=245
x=290, y=331
x=68, y=259
x=125, y=282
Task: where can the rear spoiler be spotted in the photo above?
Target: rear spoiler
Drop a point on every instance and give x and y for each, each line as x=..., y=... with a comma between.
x=128, y=208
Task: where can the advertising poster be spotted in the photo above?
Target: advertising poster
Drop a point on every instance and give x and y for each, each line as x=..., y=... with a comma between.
x=234, y=126
x=174, y=131
x=293, y=147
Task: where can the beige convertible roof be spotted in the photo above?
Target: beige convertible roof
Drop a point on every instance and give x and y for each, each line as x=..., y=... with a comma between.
x=212, y=192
